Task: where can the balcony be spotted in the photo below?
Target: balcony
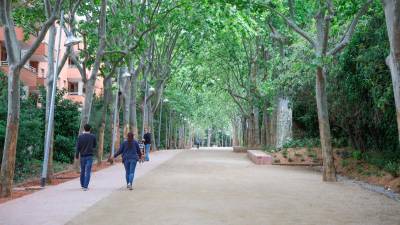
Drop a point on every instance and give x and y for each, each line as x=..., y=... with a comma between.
x=40, y=55
x=28, y=74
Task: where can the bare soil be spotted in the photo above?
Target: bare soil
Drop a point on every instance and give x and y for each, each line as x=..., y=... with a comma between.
x=349, y=167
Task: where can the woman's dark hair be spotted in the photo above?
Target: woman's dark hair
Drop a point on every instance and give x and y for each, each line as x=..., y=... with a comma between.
x=130, y=139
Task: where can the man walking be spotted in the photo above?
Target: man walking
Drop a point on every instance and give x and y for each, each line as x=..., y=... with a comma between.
x=85, y=149
x=147, y=143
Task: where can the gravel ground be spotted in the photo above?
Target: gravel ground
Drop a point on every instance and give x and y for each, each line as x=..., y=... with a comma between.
x=222, y=187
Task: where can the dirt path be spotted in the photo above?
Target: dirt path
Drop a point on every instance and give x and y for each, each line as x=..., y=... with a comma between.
x=222, y=187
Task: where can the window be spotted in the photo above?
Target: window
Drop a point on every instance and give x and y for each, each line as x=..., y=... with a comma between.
x=71, y=63
x=73, y=88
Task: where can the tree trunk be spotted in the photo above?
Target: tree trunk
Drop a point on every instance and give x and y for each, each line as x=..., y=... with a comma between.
x=244, y=131
x=107, y=83
x=10, y=143
x=235, y=132
x=87, y=105
x=392, y=15
x=133, y=115
x=209, y=137
x=264, y=133
x=273, y=124
x=252, y=130
x=256, y=126
x=126, y=90
x=329, y=172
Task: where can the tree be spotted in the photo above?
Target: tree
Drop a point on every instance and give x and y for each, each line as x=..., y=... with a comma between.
x=16, y=62
x=320, y=45
x=392, y=14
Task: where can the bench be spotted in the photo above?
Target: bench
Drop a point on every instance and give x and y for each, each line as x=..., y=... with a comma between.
x=259, y=157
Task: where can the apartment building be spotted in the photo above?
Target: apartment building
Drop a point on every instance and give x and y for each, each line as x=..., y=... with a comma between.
x=34, y=73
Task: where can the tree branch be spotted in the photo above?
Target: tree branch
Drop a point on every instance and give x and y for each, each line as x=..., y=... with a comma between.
x=292, y=25
x=41, y=35
x=350, y=30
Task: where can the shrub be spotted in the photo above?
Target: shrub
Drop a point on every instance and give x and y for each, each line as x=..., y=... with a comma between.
x=357, y=154
x=345, y=163
x=393, y=168
x=285, y=153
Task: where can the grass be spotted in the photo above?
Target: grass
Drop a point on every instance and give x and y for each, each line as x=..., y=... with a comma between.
x=345, y=163
x=33, y=169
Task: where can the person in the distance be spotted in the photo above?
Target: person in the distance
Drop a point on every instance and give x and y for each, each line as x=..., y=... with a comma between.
x=147, y=143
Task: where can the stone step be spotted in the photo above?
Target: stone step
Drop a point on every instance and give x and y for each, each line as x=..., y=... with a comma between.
x=259, y=157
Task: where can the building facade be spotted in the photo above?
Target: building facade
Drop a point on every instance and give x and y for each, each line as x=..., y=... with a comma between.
x=35, y=72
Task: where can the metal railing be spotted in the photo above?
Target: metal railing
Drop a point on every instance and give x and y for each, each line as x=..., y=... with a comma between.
x=26, y=66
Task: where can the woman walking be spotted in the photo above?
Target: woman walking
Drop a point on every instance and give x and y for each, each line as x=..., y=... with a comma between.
x=130, y=155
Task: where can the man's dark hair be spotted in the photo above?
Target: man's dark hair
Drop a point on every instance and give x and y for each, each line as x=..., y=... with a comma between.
x=87, y=127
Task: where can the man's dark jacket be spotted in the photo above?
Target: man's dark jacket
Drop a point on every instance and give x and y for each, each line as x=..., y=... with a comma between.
x=86, y=145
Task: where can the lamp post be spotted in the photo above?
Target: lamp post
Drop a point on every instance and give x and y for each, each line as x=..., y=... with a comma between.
x=115, y=127
x=71, y=40
x=159, y=124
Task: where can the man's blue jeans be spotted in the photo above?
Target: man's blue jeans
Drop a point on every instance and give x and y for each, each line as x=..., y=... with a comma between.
x=147, y=149
x=130, y=166
x=86, y=169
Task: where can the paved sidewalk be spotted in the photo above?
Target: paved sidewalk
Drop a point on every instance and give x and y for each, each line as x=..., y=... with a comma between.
x=56, y=205
x=224, y=188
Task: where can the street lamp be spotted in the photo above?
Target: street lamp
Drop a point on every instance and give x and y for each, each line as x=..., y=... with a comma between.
x=159, y=124
x=71, y=40
x=124, y=74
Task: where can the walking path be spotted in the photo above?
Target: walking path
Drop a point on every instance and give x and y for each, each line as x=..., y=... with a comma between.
x=204, y=187
x=222, y=187
x=56, y=205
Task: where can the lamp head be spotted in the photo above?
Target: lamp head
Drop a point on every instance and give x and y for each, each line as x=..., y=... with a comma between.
x=71, y=40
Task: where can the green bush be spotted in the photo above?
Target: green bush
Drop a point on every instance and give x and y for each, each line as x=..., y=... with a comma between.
x=30, y=144
x=285, y=153
x=345, y=163
x=393, y=168
x=304, y=142
x=356, y=154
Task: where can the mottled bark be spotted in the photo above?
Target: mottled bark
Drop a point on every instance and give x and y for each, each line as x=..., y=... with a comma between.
x=10, y=144
x=329, y=172
x=392, y=15
x=126, y=94
x=257, y=140
x=107, y=95
x=87, y=105
x=16, y=63
x=209, y=133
